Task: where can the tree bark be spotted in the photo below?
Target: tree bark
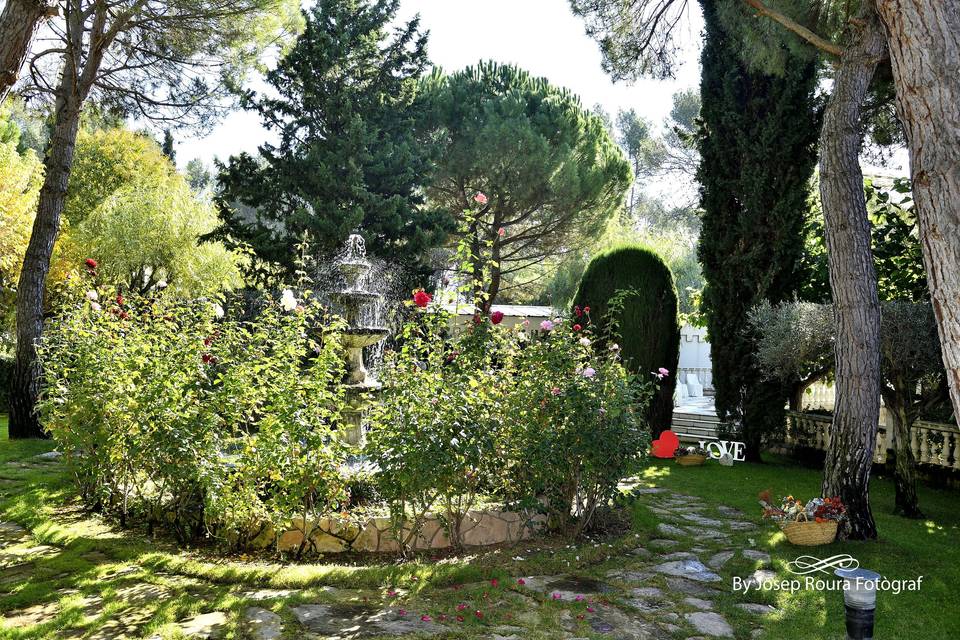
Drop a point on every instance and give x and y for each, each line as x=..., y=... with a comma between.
x=856, y=306
x=898, y=401
x=924, y=43
x=25, y=382
x=18, y=25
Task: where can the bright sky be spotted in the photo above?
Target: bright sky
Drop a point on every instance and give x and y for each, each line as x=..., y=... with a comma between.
x=541, y=36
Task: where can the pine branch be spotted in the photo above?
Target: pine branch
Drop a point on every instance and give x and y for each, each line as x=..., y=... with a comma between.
x=797, y=28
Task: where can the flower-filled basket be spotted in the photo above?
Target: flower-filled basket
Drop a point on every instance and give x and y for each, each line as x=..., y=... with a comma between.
x=691, y=456
x=806, y=524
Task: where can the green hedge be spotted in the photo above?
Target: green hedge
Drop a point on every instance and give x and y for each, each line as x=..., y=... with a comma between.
x=649, y=334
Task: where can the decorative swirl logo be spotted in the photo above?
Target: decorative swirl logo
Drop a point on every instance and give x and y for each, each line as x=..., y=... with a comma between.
x=805, y=565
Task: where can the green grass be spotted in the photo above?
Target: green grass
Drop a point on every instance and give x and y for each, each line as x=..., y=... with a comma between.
x=89, y=558
x=906, y=549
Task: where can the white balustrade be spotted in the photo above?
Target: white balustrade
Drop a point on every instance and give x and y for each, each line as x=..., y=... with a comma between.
x=932, y=443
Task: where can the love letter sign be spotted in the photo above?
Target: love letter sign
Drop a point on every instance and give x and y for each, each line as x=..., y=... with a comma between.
x=718, y=448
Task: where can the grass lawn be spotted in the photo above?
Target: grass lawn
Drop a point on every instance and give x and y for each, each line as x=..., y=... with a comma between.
x=78, y=577
x=906, y=549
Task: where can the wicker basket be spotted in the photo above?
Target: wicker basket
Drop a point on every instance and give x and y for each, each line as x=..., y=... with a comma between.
x=809, y=534
x=691, y=460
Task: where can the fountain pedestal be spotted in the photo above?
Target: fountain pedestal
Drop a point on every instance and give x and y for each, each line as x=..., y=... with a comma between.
x=354, y=300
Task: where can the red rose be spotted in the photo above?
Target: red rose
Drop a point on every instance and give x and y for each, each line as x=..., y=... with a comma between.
x=421, y=298
x=577, y=327
x=496, y=317
x=91, y=263
x=577, y=311
x=586, y=309
x=119, y=299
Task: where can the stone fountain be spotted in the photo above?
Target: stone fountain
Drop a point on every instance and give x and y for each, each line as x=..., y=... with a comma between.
x=356, y=301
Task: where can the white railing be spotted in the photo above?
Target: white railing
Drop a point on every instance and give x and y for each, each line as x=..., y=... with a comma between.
x=704, y=374
x=932, y=443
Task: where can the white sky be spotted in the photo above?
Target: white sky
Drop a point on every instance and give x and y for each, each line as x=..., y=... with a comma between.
x=541, y=36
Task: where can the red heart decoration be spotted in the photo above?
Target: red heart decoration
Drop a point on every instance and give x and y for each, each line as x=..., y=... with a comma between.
x=666, y=445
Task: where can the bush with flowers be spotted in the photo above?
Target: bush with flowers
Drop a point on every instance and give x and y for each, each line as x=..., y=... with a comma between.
x=168, y=413
x=539, y=421
x=794, y=510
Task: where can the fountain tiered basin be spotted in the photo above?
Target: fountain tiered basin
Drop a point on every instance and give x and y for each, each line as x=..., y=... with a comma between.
x=355, y=302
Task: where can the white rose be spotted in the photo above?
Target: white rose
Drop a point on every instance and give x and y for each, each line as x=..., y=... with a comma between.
x=92, y=295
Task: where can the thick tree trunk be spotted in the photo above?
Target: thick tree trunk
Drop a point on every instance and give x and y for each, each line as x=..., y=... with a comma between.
x=924, y=43
x=853, y=282
x=25, y=384
x=905, y=467
x=18, y=24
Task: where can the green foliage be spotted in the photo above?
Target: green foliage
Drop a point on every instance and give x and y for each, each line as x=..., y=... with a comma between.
x=350, y=154
x=541, y=423
x=107, y=160
x=548, y=168
x=20, y=177
x=574, y=422
x=631, y=286
x=149, y=236
x=757, y=148
x=897, y=254
x=171, y=416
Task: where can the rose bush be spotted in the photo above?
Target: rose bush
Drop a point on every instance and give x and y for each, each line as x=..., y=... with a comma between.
x=543, y=423
x=169, y=414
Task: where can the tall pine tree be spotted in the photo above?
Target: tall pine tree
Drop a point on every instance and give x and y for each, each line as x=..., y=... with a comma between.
x=758, y=150
x=349, y=156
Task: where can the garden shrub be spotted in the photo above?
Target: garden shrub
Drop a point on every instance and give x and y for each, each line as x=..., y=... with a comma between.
x=645, y=316
x=573, y=423
x=542, y=424
x=433, y=429
x=168, y=414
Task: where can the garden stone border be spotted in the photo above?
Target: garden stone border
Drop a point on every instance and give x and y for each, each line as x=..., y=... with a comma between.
x=331, y=534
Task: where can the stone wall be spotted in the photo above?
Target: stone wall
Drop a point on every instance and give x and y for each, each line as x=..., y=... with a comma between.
x=335, y=534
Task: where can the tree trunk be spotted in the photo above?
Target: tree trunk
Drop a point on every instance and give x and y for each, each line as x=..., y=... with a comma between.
x=25, y=384
x=905, y=470
x=853, y=281
x=18, y=24
x=924, y=43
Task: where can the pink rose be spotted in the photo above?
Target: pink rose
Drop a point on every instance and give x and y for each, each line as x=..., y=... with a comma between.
x=480, y=198
x=546, y=325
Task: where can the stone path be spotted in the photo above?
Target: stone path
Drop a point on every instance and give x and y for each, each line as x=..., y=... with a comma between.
x=675, y=585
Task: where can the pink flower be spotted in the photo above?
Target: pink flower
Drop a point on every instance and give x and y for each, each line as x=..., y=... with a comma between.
x=91, y=263
x=494, y=583
x=589, y=372
x=480, y=198
x=663, y=372
x=496, y=317
x=521, y=582
x=478, y=613
x=426, y=618
x=402, y=612
x=590, y=609
x=392, y=593
x=577, y=311
x=526, y=323
x=577, y=327
x=546, y=325
x=459, y=618
x=579, y=598
x=557, y=596
x=442, y=617
x=421, y=298
x=461, y=606
x=586, y=309
x=501, y=232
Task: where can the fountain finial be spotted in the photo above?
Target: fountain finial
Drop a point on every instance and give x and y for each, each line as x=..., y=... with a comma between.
x=356, y=246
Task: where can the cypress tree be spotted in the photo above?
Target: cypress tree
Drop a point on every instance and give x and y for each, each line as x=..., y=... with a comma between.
x=649, y=335
x=758, y=149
